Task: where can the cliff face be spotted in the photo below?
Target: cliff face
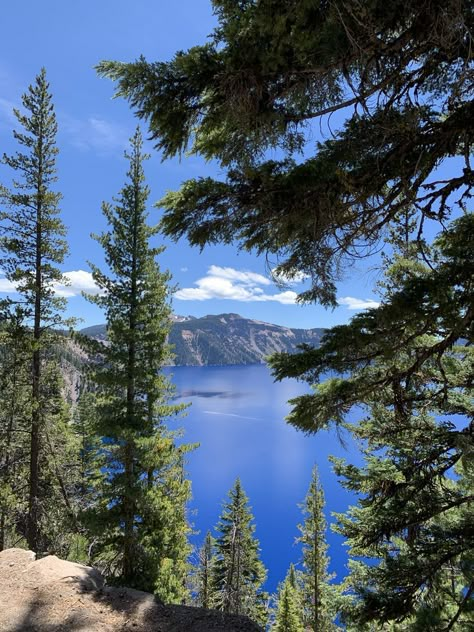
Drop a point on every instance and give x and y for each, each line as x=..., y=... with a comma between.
x=228, y=339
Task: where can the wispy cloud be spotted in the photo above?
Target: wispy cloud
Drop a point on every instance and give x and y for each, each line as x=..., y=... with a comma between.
x=95, y=134
x=236, y=285
x=357, y=303
x=6, y=286
x=6, y=112
x=78, y=281
x=240, y=276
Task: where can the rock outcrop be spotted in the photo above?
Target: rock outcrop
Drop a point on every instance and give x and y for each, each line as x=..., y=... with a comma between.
x=53, y=595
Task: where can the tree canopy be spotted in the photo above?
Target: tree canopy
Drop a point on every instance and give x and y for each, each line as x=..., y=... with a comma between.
x=32, y=248
x=391, y=84
x=400, y=76
x=140, y=520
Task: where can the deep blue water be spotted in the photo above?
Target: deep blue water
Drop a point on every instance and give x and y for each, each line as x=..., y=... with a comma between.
x=237, y=416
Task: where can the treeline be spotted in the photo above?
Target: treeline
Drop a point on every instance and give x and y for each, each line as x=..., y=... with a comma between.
x=398, y=173
x=230, y=576
x=102, y=480
x=391, y=84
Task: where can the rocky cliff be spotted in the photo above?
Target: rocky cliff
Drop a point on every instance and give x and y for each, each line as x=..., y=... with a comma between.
x=227, y=339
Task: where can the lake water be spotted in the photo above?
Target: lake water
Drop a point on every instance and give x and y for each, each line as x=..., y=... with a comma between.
x=237, y=415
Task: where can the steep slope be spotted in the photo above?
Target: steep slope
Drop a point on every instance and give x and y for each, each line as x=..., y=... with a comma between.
x=227, y=339
x=231, y=339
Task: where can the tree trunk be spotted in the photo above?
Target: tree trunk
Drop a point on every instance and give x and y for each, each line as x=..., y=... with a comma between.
x=129, y=516
x=316, y=626
x=130, y=504
x=33, y=503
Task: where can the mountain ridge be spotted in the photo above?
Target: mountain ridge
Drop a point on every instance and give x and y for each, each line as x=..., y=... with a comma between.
x=226, y=339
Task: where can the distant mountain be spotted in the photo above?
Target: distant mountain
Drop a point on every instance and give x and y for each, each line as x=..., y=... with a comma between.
x=226, y=339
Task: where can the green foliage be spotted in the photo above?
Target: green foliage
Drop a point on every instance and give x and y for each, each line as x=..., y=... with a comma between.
x=238, y=574
x=15, y=414
x=56, y=471
x=409, y=363
x=89, y=454
x=32, y=245
x=270, y=74
x=204, y=573
x=318, y=597
x=289, y=612
x=138, y=509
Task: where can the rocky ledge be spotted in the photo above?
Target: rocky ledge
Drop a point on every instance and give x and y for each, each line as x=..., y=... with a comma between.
x=52, y=595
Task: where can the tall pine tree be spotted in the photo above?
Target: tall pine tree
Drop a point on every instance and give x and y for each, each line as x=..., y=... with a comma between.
x=32, y=244
x=142, y=527
x=317, y=596
x=238, y=573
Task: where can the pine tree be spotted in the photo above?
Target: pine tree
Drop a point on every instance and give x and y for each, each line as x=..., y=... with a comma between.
x=316, y=595
x=15, y=415
x=204, y=573
x=90, y=461
x=409, y=362
x=141, y=525
x=271, y=74
x=58, y=481
x=238, y=573
x=289, y=612
x=33, y=245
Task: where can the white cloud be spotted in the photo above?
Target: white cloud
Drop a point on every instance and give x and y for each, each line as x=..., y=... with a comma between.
x=6, y=286
x=357, y=303
x=241, y=276
x=95, y=134
x=79, y=281
x=231, y=284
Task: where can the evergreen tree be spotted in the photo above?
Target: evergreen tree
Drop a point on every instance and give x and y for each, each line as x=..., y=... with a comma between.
x=238, y=573
x=316, y=595
x=31, y=238
x=271, y=74
x=141, y=525
x=204, y=573
x=410, y=363
x=289, y=613
x=58, y=481
x=90, y=460
x=15, y=415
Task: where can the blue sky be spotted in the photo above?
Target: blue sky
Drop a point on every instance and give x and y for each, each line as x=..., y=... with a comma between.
x=69, y=39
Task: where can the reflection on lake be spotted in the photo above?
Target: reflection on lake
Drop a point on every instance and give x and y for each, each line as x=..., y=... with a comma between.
x=237, y=416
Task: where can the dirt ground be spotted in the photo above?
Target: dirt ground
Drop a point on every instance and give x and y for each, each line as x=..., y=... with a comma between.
x=52, y=595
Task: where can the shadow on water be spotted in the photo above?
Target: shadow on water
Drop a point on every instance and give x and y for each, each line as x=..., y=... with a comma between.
x=210, y=394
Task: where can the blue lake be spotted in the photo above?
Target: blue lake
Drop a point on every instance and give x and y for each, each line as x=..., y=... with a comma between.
x=238, y=417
